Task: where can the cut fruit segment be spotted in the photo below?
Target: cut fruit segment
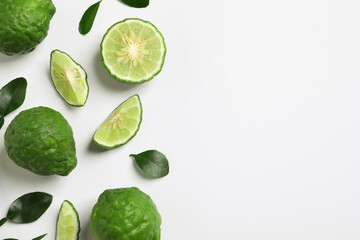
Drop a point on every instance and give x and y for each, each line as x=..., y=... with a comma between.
x=69, y=78
x=121, y=125
x=68, y=223
x=133, y=51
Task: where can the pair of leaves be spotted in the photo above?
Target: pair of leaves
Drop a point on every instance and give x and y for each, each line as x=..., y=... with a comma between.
x=88, y=18
x=28, y=208
x=12, y=96
x=37, y=238
x=153, y=163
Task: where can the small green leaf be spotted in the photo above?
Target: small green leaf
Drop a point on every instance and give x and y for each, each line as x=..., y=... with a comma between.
x=12, y=95
x=137, y=3
x=29, y=207
x=2, y=221
x=40, y=237
x=1, y=124
x=88, y=18
x=37, y=238
x=153, y=163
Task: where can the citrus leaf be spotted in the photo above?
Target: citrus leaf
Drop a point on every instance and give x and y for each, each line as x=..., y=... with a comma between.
x=136, y=3
x=12, y=95
x=29, y=207
x=40, y=237
x=1, y=124
x=88, y=18
x=37, y=238
x=2, y=221
x=153, y=163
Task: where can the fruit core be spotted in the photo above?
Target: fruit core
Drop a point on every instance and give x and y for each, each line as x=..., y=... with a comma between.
x=118, y=118
x=134, y=50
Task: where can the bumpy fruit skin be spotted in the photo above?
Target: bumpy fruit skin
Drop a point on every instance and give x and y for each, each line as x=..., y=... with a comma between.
x=125, y=214
x=41, y=140
x=24, y=24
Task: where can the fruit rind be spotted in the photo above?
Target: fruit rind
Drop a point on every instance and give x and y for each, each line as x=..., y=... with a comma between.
x=125, y=213
x=79, y=67
x=24, y=24
x=136, y=131
x=67, y=203
x=41, y=140
x=162, y=58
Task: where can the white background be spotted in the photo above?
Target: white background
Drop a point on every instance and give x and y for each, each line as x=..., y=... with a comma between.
x=257, y=109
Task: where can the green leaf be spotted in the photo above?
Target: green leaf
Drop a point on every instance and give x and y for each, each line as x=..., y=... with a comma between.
x=136, y=3
x=40, y=237
x=29, y=207
x=88, y=18
x=1, y=124
x=37, y=238
x=2, y=221
x=153, y=163
x=12, y=95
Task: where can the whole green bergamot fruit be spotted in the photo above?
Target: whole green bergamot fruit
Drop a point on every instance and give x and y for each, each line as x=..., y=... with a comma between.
x=125, y=214
x=41, y=140
x=24, y=24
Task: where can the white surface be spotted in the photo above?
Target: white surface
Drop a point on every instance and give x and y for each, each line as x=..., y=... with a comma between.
x=257, y=109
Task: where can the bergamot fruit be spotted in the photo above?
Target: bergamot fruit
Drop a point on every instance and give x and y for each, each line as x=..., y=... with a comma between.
x=24, y=24
x=41, y=140
x=125, y=214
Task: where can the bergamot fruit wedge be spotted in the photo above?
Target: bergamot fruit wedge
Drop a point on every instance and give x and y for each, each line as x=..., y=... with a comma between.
x=69, y=78
x=68, y=223
x=121, y=125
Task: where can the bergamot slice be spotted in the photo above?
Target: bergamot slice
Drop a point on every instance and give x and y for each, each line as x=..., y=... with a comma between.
x=133, y=51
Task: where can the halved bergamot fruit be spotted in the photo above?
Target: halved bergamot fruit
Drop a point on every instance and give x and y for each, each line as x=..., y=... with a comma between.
x=69, y=78
x=68, y=223
x=133, y=51
x=121, y=125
